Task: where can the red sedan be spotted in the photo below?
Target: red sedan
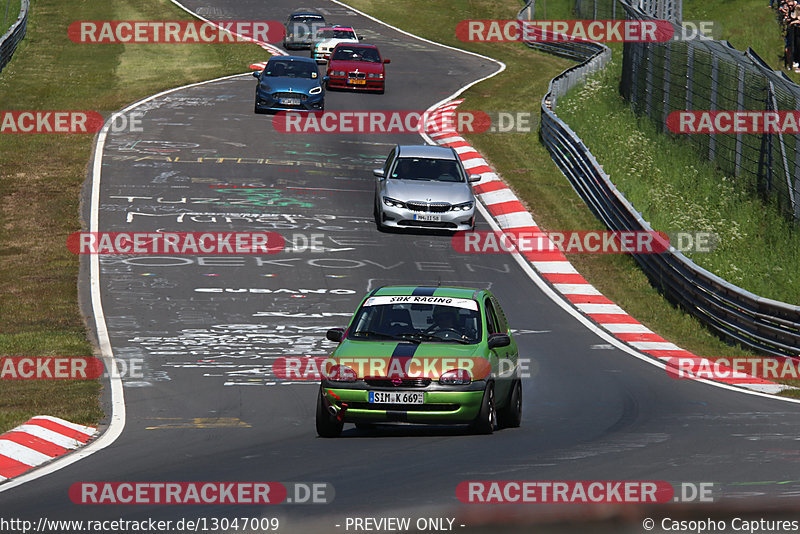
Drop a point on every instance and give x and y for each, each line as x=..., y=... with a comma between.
x=356, y=66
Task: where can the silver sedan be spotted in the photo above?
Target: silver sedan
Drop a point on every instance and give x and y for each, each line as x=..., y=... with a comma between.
x=422, y=186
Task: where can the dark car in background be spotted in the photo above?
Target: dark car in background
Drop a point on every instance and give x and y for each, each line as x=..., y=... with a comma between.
x=356, y=66
x=301, y=28
x=289, y=83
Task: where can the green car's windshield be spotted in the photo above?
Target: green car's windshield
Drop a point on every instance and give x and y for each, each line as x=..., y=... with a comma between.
x=380, y=319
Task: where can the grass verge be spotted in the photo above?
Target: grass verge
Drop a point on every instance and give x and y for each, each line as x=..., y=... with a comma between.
x=41, y=177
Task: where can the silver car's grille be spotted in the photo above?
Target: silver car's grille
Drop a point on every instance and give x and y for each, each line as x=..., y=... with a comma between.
x=432, y=207
x=357, y=75
x=299, y=96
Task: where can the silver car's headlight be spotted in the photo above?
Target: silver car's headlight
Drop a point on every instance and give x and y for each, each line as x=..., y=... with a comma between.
x=315, y=90
x=389, y=201
x=464, y=206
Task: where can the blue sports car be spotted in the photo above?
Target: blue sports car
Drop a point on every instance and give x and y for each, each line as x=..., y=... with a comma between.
x=289, y=83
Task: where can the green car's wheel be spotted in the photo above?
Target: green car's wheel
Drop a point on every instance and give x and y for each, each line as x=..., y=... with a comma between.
x=487, y=417
x=328, y=426
x=511, y=415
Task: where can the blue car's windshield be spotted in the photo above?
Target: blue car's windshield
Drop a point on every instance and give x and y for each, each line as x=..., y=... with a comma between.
x=380, y=319
x=291, y=69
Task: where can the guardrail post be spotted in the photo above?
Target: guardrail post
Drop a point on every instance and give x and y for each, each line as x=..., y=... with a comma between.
x=667, y=83
x=712, y=138
x=689, y=74
x=739, y=107
x=648, y=89
x=795, y=192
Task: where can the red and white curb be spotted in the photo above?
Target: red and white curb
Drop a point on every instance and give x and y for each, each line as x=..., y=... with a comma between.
x=38, y=441
x=552, y=265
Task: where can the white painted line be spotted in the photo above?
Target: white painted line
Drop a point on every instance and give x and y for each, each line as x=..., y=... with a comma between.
x=22, y=454
x=576, y=289
x=601, y=308
x=48, y=435
x=654, y=345
x=451, y=139
x=626, y=328
x=555, y=267
x=462, y=149
x=88, y=430
x=474, y=162
x=515, y=219
x=487, y=177
x=498, y=196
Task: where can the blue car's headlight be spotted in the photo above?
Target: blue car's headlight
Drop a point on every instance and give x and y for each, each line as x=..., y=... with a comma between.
x=389, y=201
x=315, y=90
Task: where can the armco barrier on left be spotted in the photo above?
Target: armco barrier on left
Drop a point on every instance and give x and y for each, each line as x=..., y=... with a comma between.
x=10, y=40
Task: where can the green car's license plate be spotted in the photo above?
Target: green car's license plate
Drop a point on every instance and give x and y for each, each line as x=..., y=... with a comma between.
x=396, y=397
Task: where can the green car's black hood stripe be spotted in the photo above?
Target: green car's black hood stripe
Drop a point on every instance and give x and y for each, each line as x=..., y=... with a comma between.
x=423, y=292
x=403, y=352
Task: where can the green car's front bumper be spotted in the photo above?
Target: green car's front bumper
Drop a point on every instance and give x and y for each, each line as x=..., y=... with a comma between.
x=441, y=405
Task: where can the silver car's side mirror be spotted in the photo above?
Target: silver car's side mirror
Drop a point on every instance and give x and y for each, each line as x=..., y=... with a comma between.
x=474, y=178
x=378, y=173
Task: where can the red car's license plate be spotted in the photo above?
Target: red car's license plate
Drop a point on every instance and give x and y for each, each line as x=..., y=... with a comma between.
x=356, y=81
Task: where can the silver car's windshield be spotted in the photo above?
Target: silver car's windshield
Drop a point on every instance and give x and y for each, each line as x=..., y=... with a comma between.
x=418, y=322
x=439, y=170
x=290, y=69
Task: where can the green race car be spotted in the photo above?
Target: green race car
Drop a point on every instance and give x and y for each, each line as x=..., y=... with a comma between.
x=412, y=354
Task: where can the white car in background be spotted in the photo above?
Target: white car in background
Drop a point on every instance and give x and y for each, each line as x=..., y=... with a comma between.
x=328, y=37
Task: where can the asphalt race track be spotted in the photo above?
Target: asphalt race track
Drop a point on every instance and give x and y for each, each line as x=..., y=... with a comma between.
x=209, y=407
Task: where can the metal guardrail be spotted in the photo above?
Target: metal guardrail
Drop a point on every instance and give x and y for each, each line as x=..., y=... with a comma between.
x=762, y=324
x=15, y=34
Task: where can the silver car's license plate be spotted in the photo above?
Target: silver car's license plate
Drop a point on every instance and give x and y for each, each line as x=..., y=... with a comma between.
x=428, y=218
x=290, y=101
x=396, y=397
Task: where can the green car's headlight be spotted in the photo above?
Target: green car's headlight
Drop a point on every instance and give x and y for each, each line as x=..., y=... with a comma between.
x=341, y=373
x=456, y=377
